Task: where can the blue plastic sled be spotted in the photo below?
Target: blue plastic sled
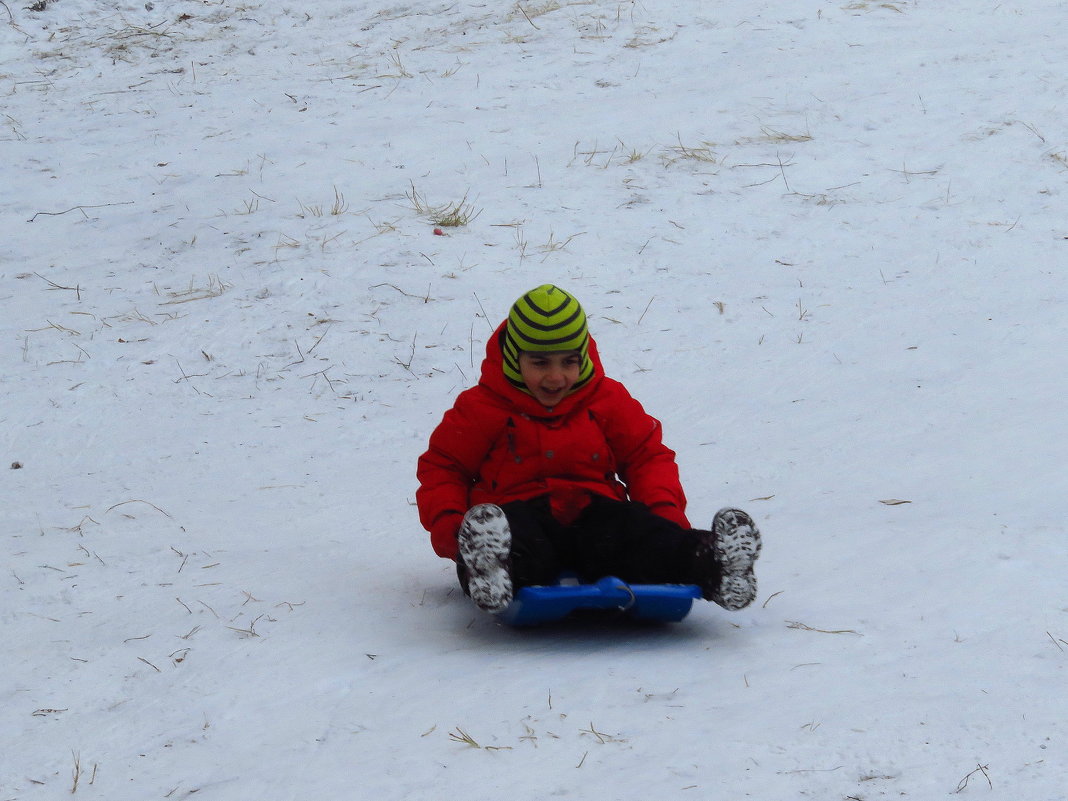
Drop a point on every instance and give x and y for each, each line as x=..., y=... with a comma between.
x=668, y=603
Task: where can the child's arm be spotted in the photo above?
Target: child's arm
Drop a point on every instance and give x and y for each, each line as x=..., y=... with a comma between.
x=644, y=463
x=446, y=473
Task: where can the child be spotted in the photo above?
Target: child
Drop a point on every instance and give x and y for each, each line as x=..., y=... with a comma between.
x=547, y=465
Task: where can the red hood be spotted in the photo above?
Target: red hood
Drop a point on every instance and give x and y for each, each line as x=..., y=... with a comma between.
x=494, y=380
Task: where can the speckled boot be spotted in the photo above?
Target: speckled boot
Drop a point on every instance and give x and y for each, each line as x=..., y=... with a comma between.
x=486, y=550
x=728, y=553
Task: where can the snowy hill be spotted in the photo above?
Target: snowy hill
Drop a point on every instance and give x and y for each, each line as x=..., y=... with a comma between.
x=823, y=243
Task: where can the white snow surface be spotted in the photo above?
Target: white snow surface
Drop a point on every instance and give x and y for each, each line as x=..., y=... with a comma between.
x=823, y=242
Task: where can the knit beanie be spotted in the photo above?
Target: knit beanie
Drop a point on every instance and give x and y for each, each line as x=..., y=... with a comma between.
x=545, y=320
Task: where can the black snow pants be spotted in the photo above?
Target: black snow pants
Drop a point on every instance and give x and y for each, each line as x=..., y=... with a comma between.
x=609, y=538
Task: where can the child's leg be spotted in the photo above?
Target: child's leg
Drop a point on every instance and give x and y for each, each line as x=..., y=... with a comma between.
x=626, y=540
x=539, y=543
x=503, y=548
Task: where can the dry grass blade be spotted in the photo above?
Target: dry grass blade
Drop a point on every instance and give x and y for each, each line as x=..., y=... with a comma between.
x=249, y=632
x=460, y=736
x=340, y=204
x=535, y=11
x=80, y=208
x=215, y=287
x=772, y=135
x=454, y=215
x=601, y=736
x=553, y=245
x=448, y=215
x=77, y=771
x=765, y=604
x=794, y=624
x=681, y=152
x=978, y=769
x=137, y=500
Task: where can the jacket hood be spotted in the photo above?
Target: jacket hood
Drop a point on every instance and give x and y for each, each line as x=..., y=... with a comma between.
x=494, y=380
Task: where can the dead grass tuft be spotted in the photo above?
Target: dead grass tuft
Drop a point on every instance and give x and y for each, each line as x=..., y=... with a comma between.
x=448, y=215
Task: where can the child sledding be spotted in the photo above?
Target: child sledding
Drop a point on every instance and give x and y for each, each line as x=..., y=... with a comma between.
x=548, y=467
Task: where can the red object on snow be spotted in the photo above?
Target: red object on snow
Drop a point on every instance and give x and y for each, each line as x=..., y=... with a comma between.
x=498, y=444
x=438, y=232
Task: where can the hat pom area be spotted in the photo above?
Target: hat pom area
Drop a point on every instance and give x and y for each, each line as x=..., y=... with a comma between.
x=545, y=320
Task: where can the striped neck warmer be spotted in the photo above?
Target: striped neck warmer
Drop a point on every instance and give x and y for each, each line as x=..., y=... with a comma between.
x=545, y=320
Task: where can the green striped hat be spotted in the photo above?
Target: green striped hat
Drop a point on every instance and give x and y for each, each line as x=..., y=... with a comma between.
x=545, y=320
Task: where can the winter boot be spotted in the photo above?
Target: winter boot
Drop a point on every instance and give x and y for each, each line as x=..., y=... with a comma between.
x=725, y=559
x=486, y=551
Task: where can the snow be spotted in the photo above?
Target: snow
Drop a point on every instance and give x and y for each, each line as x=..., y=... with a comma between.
x=822, y=242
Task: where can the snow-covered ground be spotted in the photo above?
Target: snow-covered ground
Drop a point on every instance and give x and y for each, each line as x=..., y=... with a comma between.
x=823, y=242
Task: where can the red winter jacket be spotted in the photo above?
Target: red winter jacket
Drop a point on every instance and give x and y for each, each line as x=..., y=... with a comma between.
x=498, y=444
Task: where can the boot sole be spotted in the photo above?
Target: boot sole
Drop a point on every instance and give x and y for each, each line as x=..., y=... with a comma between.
x=486, y=547
x=737, y=545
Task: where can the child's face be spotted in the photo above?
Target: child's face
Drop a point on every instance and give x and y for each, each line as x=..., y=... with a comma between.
x=550, y=376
